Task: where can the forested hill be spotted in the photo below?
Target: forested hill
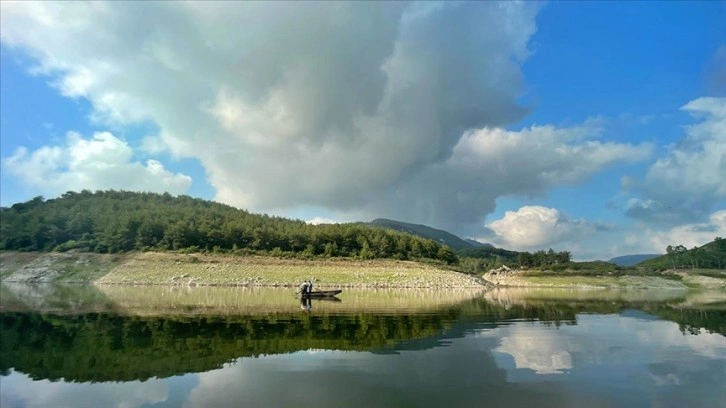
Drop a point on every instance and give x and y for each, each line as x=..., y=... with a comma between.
x=711, y=255
x=424, y=231
x=119, y=221
x=630, y=260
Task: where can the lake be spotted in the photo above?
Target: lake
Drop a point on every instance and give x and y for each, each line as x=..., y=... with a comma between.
x=116, y=346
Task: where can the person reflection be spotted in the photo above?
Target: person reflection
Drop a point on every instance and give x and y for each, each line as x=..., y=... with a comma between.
x=306, y=303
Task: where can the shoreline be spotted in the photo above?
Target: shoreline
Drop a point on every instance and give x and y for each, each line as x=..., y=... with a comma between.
x=227, y=270
x=200, y=269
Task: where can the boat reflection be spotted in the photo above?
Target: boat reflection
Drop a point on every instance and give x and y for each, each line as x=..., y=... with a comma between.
x=306, y=303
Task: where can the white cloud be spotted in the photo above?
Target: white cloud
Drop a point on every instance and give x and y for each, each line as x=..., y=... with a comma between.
x=690, y=235
x=493, y=162
x=373, y=109
x=643, y=238
x=684, y=185
x=98, y=163
x=537, y=227
x=320, y=220
x=530, y=226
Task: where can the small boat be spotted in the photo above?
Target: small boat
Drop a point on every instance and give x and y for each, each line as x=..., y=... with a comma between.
x=321, y=293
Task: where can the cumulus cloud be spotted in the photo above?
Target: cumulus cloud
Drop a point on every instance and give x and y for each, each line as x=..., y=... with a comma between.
x=97, y=163
x=537, y=227
x=684, y=185
x=321, y=220
x=643, y=238
x=375, y=109
x=690, y=235
x=492, y=162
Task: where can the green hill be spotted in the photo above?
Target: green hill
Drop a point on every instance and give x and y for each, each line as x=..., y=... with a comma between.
x=477, y=244
x=708, y=256
x=477, y=257
x=440, y=236
x=630, y=260
x=121, y=221
x=491, y=252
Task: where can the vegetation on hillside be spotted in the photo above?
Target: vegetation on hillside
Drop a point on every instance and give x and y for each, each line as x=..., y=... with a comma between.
x=120, y=221
x=631, y=260
x=475, y=257
x=440, y=236
x=709, y=256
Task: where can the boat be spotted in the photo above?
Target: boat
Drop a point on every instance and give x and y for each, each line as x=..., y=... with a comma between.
x=321, y=293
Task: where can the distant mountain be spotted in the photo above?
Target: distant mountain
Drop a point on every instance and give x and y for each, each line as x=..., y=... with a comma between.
x=476, y=243
x=424, y=231
x=630, y=260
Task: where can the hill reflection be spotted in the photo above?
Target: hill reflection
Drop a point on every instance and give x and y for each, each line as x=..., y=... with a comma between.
x=115, y=337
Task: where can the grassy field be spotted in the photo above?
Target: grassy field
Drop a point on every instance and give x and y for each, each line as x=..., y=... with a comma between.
x=692, y=279
x=228, y=270
x=150, y=268
x=600, y=281
x=197, y=269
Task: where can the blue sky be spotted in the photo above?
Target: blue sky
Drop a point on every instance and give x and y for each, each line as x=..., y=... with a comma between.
x=597, y=127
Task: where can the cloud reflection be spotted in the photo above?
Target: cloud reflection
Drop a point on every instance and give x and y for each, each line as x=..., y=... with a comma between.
x=603, y=341
x=545, y=352
x=19, y=390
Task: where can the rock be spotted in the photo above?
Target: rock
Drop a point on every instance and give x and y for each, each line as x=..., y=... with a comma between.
x=499, y=275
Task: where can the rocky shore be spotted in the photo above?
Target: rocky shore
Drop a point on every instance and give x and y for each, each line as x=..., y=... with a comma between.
x=174, y=269
x=198, y=269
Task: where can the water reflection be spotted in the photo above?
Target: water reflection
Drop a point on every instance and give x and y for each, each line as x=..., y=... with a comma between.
x=514, y=348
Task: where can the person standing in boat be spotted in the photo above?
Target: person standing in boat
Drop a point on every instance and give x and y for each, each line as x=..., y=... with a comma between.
x=310, y=286
x=304, y=287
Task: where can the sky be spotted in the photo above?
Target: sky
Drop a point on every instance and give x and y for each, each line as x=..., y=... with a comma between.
x=593, y=127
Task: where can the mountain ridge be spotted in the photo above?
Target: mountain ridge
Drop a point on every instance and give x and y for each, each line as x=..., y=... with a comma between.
x=633, y=259
x=438, y=235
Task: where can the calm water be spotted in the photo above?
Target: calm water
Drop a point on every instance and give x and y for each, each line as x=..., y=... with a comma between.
x=219, y=347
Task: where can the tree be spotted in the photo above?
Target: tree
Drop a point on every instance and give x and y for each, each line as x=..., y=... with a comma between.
x=525, y=259
x=114, y=221
x=447, y=255
x=680, y=252
x=564, y=257
x=720, y=244
x=671, y=255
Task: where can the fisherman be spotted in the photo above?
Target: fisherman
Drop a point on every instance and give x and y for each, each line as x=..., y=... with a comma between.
x=310, y=286
x=304, y=287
